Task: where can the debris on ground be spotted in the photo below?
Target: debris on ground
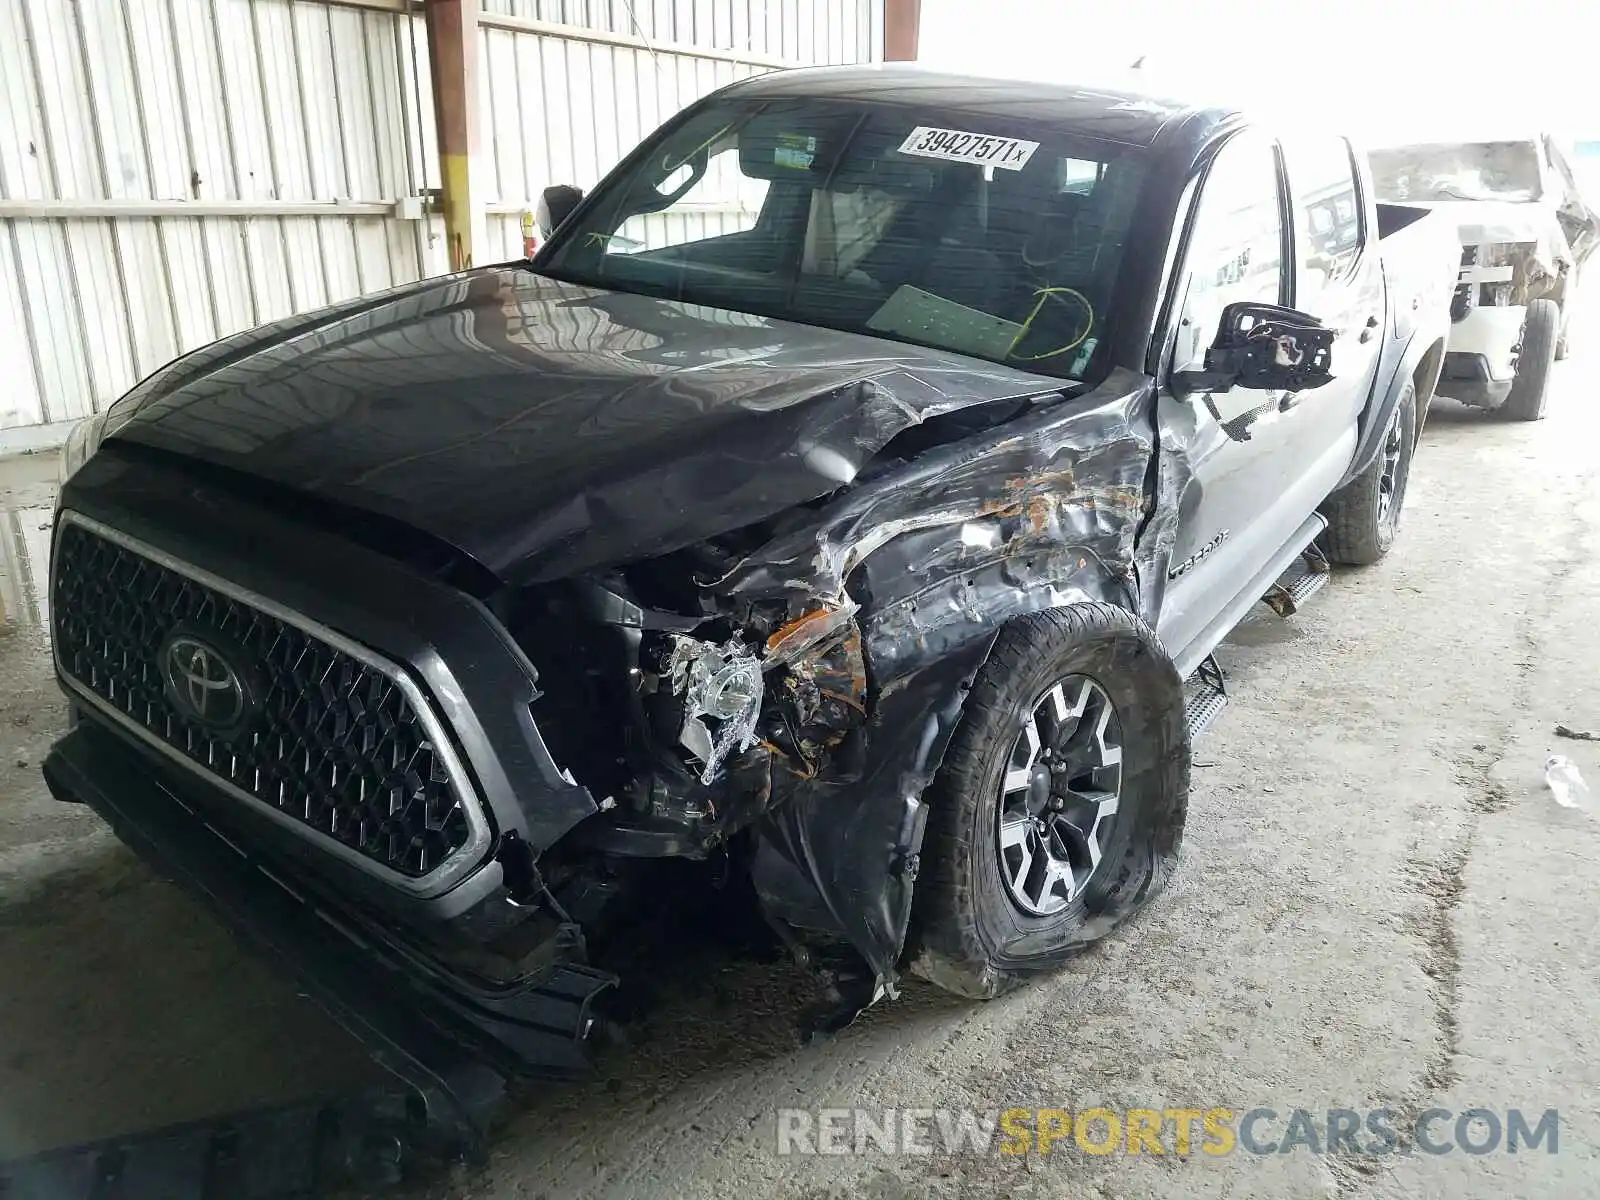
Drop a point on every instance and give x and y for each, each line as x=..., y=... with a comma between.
x=1566, y=782
x=1577, y=735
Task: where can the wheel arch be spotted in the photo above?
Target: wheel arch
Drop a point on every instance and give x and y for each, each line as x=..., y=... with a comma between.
x=1420, y=361
x=901, y=638
x=1425, y=379
x=857, y=841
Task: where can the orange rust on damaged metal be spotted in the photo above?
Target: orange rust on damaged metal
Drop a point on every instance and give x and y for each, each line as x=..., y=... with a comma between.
x=1039, y=513
x=841, y=673
x=1119, y=497
x=1051, y=481
x=797, y=627
x=858, y=668
x=997, y=508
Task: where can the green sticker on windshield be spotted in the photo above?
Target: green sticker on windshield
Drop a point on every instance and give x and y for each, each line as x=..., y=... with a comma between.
x=795, y=150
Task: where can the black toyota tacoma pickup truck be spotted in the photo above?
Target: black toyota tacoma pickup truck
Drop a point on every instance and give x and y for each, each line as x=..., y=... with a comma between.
x=840, y=500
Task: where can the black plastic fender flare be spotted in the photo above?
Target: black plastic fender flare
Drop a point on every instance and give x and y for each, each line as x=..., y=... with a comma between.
x=1388, y=385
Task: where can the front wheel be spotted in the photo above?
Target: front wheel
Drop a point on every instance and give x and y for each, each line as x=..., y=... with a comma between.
x=1060, y=806
x=1364, y=515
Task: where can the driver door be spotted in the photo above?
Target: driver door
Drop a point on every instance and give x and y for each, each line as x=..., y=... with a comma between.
x=1246, y=448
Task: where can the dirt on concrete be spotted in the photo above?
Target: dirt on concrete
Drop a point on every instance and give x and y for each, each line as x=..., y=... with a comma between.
x=1379, y=906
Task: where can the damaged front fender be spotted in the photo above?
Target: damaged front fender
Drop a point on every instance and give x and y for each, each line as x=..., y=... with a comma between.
x=930, y=560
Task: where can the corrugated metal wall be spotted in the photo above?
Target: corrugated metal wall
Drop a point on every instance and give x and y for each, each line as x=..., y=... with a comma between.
x=599, y=98
x=254, y=115
x=172, y=171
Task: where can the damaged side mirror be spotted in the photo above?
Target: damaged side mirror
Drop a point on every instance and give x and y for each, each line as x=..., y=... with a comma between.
x=1263, y=347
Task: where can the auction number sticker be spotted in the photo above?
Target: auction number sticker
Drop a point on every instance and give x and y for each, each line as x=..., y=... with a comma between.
x=957, y=145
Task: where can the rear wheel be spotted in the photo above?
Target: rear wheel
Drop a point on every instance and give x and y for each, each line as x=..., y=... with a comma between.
x=1364, y=515
x=1541, y=329
x=1059, y=810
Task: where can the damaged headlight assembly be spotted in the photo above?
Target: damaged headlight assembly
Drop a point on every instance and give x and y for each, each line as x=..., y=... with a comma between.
x=720, y=684
x=723, y=685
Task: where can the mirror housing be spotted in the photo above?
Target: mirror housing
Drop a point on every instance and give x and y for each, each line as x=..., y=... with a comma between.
x=555, y=206
x=1263, y=347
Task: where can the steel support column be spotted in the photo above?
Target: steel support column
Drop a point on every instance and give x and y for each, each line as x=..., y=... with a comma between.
x=901, y=21
x=453, y=58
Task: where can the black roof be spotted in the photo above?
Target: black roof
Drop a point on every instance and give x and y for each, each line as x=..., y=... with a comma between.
x=1128, y=117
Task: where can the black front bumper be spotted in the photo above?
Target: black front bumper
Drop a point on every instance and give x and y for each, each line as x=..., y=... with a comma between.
x=452, y=1039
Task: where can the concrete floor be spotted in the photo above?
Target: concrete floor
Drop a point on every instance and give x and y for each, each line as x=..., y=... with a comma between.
x=1380, y=905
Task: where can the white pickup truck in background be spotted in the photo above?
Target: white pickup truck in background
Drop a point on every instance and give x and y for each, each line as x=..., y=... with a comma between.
x=1525, y=232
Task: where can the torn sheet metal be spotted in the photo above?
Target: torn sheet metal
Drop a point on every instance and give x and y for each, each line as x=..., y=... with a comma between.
x=796, y=639
x=818, y=701
x=939, y=552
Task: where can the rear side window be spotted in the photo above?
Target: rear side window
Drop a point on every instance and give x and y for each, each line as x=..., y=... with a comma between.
x=1327, y=215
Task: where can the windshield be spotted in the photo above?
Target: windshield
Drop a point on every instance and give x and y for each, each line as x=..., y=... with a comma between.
x=1458, y=171
x=982, y=235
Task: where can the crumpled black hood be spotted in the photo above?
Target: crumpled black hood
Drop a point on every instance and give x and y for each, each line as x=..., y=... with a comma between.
x=546, y=428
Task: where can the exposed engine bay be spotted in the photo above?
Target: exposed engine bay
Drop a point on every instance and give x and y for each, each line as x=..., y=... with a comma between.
x=700, y=712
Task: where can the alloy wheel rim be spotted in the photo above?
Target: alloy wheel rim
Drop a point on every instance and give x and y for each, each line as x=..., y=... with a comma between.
x=1389, y=480
x=1060, y=794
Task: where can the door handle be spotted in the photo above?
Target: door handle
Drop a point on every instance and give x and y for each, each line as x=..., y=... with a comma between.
x=1366, y=334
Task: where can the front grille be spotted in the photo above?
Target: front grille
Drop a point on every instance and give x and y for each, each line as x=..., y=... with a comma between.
x=327, y=740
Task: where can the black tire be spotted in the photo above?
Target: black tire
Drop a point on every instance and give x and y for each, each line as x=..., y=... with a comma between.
x=968, y=935
x=1541, y=329
x=1364, y=515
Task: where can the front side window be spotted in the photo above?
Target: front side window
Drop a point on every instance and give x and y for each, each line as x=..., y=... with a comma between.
x=1327, y=209
x=1235, y=245
x=977, y=234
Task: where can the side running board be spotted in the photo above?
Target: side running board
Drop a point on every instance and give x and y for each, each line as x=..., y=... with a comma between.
x=1205, y=695
x=1306, y=576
